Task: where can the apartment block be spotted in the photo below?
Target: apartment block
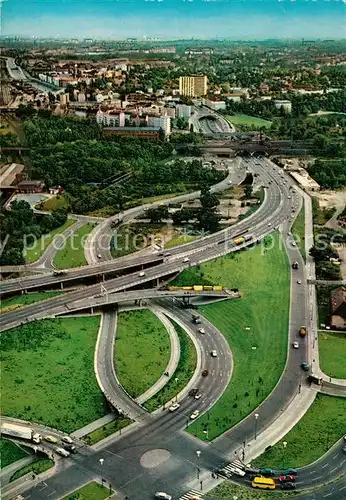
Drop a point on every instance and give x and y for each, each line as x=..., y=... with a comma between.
x=193, y=86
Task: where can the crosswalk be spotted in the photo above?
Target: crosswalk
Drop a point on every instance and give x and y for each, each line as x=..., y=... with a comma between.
x=192, y=495
x=231, y=468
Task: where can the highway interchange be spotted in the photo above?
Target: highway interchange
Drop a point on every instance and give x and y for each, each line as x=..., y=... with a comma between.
x=122, y=467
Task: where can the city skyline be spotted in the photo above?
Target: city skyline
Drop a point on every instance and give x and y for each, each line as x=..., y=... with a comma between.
x=240, y=19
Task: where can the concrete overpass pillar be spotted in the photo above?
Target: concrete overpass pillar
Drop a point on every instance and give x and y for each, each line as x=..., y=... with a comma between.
x=92, y=311
x=157, y=281
x=61, y=285
x=103, y=277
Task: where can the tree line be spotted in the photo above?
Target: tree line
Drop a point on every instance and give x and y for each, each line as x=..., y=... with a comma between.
x=20, y=226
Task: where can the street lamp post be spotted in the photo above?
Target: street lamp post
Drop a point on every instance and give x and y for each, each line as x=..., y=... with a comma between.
x=284, y=444
x=198, y=453
x=256, y=418
x=176, y=381
x=101, y=460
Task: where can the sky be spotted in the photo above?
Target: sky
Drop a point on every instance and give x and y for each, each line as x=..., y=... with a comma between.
x=233, y=19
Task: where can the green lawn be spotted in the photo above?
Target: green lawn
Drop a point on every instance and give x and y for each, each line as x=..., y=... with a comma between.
x=298, y=232
x=322, y=425
x=184, y=371
x=72, y=254
x=48, y=375
x=10, y=453
x=332, y=347
x=25, y=300
x=142, y=350
x=51, y=204
x=251, y=121
x=92, y=491
x=35, y=467
x=180, y=240
x=256, y=327
x=34, y=253
x=106, y=430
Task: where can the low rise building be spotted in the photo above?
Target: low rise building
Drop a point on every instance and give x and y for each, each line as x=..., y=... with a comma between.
x=150, y=133
x=283, y=104
x=338, y=309
x=30, y=186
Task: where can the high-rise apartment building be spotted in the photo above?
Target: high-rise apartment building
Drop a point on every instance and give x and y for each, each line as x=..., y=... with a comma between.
x=193, y=86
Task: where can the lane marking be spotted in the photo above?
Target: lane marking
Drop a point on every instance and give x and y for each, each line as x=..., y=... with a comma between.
x=342, y=488
x=327, y=495
x=316, y=478
x=333, y=470
x=312, y=472
x=52, y=493
x=335, y=456
x=324, y=466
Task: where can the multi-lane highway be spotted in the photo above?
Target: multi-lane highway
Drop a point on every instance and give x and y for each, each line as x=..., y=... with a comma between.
x=126, y=462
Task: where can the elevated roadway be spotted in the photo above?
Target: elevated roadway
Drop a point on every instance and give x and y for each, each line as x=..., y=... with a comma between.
x=275, y=208
x=67, y=304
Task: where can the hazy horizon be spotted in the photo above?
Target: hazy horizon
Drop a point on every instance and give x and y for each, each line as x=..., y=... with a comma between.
x=174, y=19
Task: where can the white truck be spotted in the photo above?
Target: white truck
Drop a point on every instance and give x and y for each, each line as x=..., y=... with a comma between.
x=20, y=431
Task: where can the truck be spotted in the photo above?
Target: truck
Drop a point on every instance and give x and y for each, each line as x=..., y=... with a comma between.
x=302, y=331
x=295, y=265
x=315, y=379
x=21, y=432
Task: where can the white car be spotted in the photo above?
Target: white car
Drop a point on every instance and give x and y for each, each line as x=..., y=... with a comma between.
x=198, y=396
x=296, y=345
x=163, y=496
x=141, y=274
x=299, y=282
x=213, y=354
x=186, y=259
x=194, y=415
x=201, y=330
x=67, y=439
x=269, y=223
x=293, y=243
x=174, y=407
x=99, y=256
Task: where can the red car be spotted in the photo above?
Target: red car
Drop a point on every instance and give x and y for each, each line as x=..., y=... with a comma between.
x=285, y=479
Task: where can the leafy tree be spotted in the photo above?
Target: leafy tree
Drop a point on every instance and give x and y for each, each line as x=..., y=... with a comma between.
x=248, y=190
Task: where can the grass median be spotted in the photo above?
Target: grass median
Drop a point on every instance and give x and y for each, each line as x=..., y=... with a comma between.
x=181, y=376
x=92, y=491
x=321, y=426
x=106, y=430
x=72, y=254
x=35, y=467
x=255, y=326
x=32, y=254
x=332, y=347
x=228, y=490
x=142, y=350
x=48, y=375
x=298, y=232
x=249, y=121
x=24, y=300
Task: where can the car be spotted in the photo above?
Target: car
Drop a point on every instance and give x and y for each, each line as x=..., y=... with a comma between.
x=174, y=406
x=345, y=437
x=296, y=345
x=198, y=396
x=141, y=274
x=229, y=182
x=67, y=439
x=287, y=479
x=194, y=415
x=163, y=496
x=299, y=282
x=305, y=366
x=213, y=354
x=267, y=472
x=186, y=259
x=99, y=256
x=287, y=486
x=269, y=223
x=201, y=330
x=293, y=243
x=289, y=472
x=288, y=197
x=59, y=273
x=50, y=439
x=344, y=449
x=205, y=373
x=70, y=447
x=193, y=392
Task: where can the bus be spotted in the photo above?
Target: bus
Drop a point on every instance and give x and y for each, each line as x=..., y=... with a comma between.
x=264, y=483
